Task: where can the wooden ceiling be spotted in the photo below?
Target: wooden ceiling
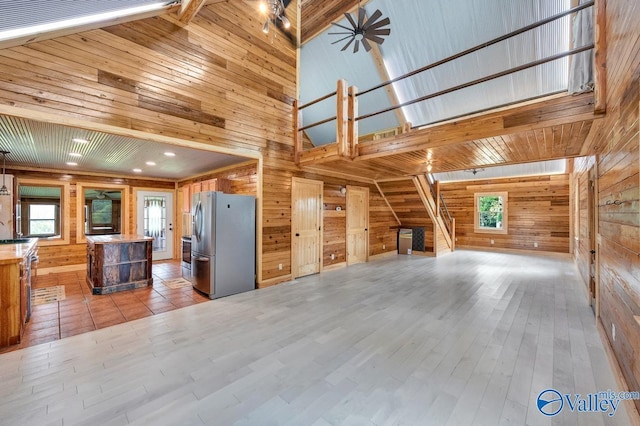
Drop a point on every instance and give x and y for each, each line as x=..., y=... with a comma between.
x=555, y=128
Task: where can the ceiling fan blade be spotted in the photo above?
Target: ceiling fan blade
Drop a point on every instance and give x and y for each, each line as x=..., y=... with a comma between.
x=342, y=26
x=365, y=43
x=342, y=39
x=346, y=32
x=373, y=18
x=356, y=47
x=351, y=21
x=374, y=38
x=361, y=14
x=379, y=24
x=384, y=31
x=347, y=45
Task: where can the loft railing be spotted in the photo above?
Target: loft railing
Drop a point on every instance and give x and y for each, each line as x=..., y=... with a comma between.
x=441, y=207
x=347, y=97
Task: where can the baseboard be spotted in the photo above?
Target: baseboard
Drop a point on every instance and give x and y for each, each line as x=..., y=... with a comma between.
x=334, y=266
x=630, y=407
x=516, y=251
x=58, y=269
x=384, y=255
x=274, y=281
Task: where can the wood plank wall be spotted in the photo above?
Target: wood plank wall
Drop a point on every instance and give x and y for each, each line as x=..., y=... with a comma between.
x=538, y=211
x=407, y=204
x=617, y=141
x=74, y=253
x=218, y=82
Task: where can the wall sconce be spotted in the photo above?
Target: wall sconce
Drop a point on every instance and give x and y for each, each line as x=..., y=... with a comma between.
x=343, y=190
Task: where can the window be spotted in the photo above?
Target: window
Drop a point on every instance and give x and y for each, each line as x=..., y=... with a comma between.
x=491, y=212
x=42, y=211
x=101, y=212
x=43, y=219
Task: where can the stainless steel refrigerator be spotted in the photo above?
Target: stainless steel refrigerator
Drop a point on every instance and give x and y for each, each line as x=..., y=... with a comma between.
x=223, y=243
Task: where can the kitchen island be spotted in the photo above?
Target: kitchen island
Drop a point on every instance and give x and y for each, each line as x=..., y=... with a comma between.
x=15, y=287
x=118, y=262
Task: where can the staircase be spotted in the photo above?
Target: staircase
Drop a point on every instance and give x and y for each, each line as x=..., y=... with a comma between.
x=416, y=202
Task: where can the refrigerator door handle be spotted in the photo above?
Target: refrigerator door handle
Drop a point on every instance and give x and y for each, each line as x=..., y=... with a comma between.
x=202, y=259
x=197, y=221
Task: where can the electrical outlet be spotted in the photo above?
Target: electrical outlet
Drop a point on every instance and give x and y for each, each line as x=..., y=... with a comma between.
x=613, y=331
x=333, y=256
x=491, y=241
x=535, y=244
x=384, y=246
x=280, y=266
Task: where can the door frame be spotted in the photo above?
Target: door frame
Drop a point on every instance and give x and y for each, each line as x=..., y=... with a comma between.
x=366, y=190
x=592, y=202
x=294, y=242
x=172, y=223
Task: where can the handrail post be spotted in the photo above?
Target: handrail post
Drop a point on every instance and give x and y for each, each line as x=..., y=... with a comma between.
x=353, y=123
x=453, y=233
x=342, y=117
x=437, y=185
x=297, y=123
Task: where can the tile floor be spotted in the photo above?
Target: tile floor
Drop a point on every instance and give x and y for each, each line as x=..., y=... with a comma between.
x=82, y=311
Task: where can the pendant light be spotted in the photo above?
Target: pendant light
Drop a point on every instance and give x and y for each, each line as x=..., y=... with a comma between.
x=4, y=190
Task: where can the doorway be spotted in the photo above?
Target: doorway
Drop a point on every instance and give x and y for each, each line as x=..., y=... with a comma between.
x=357, y=224
x=155, y=219
x=592, y=218
x=306, y=226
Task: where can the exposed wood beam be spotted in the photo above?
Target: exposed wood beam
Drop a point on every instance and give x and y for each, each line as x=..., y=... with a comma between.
x=47, y=35
x=189, y=9
x=551, y=112
x=376, y=55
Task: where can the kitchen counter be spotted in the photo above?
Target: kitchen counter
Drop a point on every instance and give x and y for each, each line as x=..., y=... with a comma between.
x=12, y=253
x=118, y=262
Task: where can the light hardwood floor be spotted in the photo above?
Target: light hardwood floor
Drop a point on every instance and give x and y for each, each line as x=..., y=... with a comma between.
x=469, y=338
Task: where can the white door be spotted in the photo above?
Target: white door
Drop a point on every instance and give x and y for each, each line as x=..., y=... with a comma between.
x=155, y=219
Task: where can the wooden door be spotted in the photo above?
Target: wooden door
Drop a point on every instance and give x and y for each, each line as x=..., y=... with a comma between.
x=306, y=226
x=357, y=224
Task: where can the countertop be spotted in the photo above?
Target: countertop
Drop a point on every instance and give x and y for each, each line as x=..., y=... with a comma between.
x=12, y=253
x=117, y=238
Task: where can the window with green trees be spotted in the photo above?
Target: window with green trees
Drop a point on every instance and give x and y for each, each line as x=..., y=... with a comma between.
x=491, y=212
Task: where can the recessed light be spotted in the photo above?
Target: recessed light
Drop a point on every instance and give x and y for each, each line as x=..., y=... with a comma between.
x=150, y=163
x=170, y=154
x=80, y=140
x=75, y=154
x=137, y=170
x=71, y=163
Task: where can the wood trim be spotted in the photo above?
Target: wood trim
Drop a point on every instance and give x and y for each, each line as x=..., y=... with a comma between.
x=384, y=197
x=600, y=56
x=505, y=213
x=378, y=61
x=189, y=9
x=65, y=213
x=259, y=219
x=384, y=255
x=68, y=120
x=352, y=123
x=124, y=207
x=552, y=111
x=335, y=266
x=342, y=114
x=274, y=281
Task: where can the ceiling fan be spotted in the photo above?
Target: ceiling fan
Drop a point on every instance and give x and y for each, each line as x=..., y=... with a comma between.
x=363, y=30
x=101, y=194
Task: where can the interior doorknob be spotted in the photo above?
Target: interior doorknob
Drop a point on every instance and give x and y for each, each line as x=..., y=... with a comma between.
x=297, y=235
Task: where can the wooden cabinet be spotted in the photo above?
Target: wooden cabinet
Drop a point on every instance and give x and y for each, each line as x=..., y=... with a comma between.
x=186, y=199
x=15, y=290
x=217, y=184
x=118, y=262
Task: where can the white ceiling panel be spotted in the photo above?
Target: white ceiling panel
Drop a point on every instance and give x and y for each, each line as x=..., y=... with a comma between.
x=426, y=31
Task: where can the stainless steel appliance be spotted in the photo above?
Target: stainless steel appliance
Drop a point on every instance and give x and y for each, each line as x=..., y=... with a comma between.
x=186, y=257
x=223, y=244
